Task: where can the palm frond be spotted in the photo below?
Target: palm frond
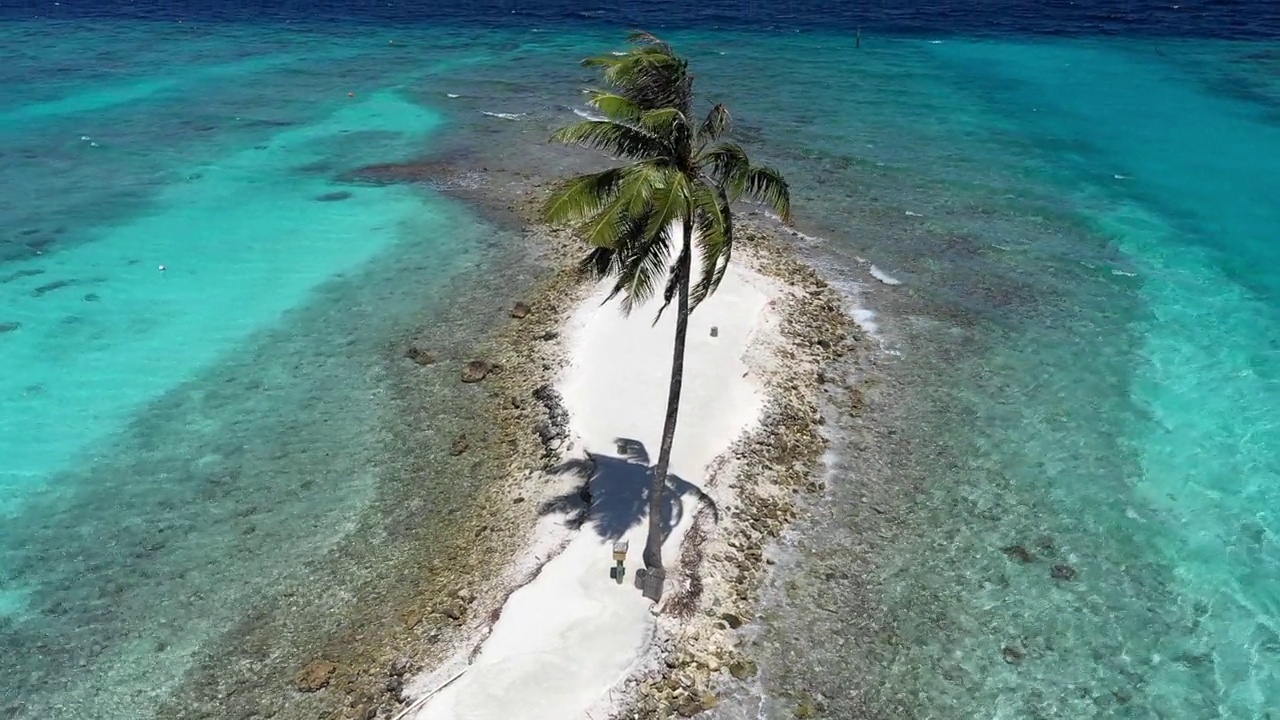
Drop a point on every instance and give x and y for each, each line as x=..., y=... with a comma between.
x=651, y=76
x=715, y=240
x=644, y=256
x=578, y=198
x=615, y=107
x=641, y=181
x=672, y=126
x=717, y=123
x=674, y=277
x=599, y=263
x=729, y=167
x=607, y=228
x=650, y=245
x=617, y=139
x=768, y=187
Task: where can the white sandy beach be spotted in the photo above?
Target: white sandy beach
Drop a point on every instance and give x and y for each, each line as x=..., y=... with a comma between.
x=566, y=639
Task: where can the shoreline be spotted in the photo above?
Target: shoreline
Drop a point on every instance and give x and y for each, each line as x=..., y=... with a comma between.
x=752, y=473
x=436, y=604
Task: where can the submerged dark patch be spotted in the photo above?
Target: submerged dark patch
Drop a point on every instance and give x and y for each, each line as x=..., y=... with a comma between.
x=50, y=287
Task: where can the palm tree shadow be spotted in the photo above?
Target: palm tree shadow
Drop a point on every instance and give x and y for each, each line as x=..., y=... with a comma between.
x=614, y=495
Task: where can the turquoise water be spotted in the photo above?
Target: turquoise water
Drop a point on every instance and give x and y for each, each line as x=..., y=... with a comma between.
x=203, y=401
x=1089, y=322
x=1082, y=359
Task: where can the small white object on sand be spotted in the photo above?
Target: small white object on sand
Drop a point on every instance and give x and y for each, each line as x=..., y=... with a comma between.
x=571, y=635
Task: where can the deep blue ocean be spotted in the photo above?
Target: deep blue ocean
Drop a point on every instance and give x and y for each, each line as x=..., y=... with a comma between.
x=1060, y=497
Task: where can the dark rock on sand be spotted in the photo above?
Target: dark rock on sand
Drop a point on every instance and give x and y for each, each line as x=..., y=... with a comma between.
x=400, y=666
x=394, y=686
x=476, y=370
x=420, y=356
x=733, y=621
x=459, y=445
x=333, y=196
x=520, y=311
x=1063, y=572
x=315, y=675
x=695, y=706
x=1019, y=553
x=1012, y=654
x=8, y=327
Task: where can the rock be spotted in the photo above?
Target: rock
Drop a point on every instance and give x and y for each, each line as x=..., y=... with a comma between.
x=476, y=370
x=400, y=666
x=1012, y=654
x=743, y=669
x=420, y=356
x=411, y=618
x=394, y=686
x=806, y=709
x=520, y=311
x=733, y=621
x=1063, y=572
x=549, y=335
x=333, y=196
x=554, y=431
x=1019, y=553
x=8, y=327
x=454, y=611
x=697, y=705
x=459, y=445
x=315, y=675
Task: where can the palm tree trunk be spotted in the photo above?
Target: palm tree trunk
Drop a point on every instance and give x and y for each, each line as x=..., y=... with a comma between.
x=657, y=491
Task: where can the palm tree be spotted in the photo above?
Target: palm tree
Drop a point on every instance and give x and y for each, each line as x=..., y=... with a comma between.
x=676, y=172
